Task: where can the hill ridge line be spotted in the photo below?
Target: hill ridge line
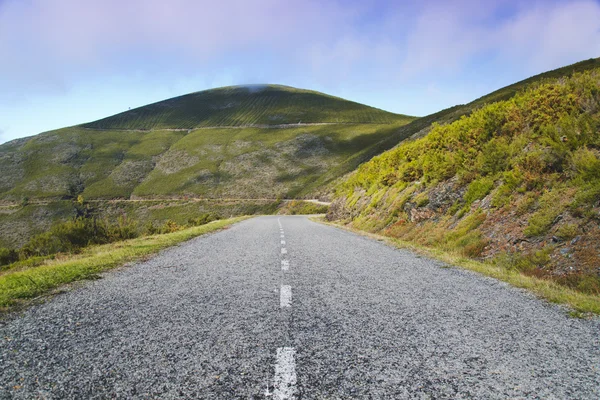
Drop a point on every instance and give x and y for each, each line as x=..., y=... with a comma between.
x=279, y=126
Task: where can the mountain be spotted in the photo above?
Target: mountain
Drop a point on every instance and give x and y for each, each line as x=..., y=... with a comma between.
x=240, y=148
x=258, y=141
x=515, y=182
x=250, y=105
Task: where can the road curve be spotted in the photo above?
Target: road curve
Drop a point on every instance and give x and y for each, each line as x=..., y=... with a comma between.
x=282, y=307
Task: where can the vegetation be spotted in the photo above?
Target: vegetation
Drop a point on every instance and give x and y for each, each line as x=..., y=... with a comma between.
x=86, y=229
x=524, y=171
x=244, y=106
x=299, y=207
x=156, y=152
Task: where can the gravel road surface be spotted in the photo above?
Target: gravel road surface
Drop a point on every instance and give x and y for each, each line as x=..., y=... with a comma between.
x=282, y=307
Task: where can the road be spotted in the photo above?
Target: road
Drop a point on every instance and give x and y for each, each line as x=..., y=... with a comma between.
x=282, y=307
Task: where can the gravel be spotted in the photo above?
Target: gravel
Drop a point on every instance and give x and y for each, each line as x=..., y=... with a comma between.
x=202, y=320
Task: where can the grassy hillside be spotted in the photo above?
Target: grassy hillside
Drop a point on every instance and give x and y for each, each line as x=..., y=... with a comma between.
x=421, y=126
x=232, y=143
x=247, y=105
x=243, y=147
x=214, y=163
x=249, y=151
x=516, y=183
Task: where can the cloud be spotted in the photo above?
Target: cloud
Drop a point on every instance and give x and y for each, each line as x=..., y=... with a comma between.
x=550, y=37
x=534, y=36
x=46, y=45
x=50, y=42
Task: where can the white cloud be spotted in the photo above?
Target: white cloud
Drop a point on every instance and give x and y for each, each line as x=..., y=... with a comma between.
x=49, y=43
x=549, y=37
x=537, y=37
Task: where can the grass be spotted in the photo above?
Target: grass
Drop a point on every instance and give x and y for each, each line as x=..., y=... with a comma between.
x=17, y=286
x=299, y=207
x=216, y=162
x=519, y=167
x=580, y=303
x=242, y=106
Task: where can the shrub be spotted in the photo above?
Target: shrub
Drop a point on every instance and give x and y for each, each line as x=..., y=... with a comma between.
x=422, y=199
x=495, y=156
x=41, y=245
x=124, y=229
x=567, y=231
x=586, y=163
x=477, y=190
x=170, y=227
x=72, y=235
x=8, y=256
x=203, y=219
x=550, y=205
x=502, y=196
x=527, y=263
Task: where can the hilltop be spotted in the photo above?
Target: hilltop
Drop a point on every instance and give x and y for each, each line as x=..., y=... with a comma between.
x=237, y=142
x=249, y=105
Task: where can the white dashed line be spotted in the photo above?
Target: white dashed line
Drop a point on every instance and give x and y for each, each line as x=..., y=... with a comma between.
x=282, y=235
x=285, y=265
x=283, y=242
x=284, y=385
x=284, y=251
x=285, y=296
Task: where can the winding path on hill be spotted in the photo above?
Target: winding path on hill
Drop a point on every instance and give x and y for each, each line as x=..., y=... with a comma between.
x=282, y=307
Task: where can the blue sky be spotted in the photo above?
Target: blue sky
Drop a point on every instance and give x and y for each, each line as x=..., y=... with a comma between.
x=66, y=62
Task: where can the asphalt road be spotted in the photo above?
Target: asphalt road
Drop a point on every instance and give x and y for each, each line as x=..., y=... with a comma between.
x=304, y=311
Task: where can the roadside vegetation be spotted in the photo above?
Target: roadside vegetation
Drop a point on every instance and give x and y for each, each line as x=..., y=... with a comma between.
x=515, y=184
x=87, y=228
x=25, y=280
x=300, y=207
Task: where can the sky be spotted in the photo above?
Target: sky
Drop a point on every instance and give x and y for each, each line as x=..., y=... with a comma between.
x=66, y=62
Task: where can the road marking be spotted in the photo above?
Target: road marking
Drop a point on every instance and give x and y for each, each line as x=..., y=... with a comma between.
x=283, y=242
x=285, y=296
x=284, y=385
x=284, y=251
x=282, y=235
x=285, y=265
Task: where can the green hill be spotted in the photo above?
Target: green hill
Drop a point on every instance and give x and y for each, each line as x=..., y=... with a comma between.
x=247, y=106
x=421, y=126
x=235, y=142
x=516, y=182
x=244, y=147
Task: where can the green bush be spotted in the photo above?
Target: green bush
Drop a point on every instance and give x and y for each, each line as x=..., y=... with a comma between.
x=75, y=234
x=124, y=229
x=567, y=231
x=8, y=256
x=203, y=219
x=422, y=199
x=477, y=190
x=550, y=205
x=299, y=207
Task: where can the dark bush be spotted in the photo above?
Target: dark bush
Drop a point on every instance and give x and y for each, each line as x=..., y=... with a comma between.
x=8, y=256
x=77, y=233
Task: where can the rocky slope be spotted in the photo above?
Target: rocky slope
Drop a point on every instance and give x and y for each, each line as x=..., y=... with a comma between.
x=517, y=182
